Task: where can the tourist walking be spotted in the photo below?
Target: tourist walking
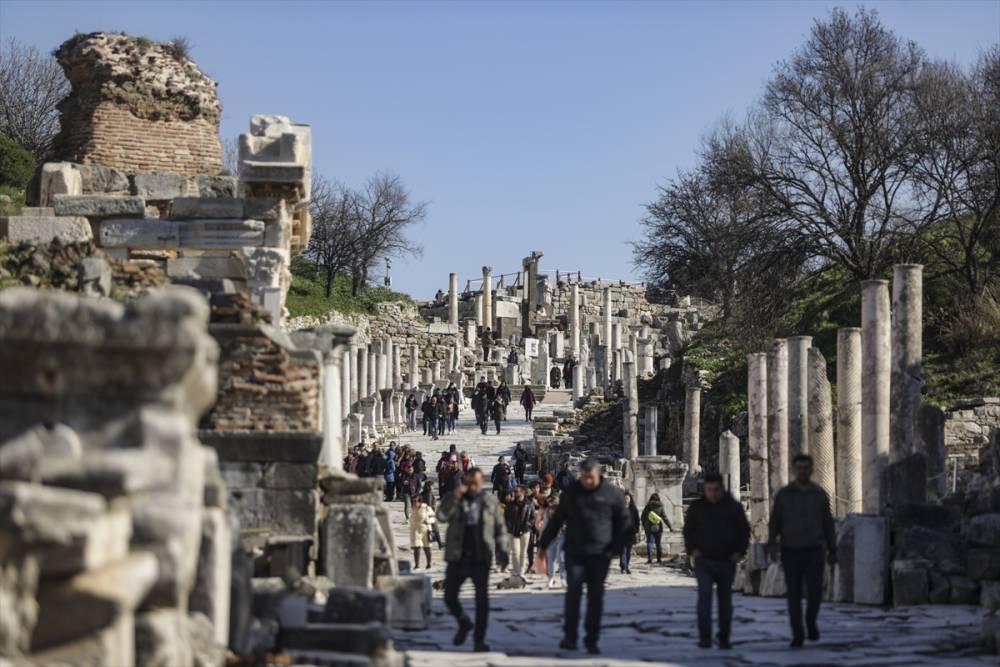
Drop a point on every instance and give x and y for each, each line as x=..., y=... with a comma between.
x=421, y=531
x=425, y=408
x=487, y=341
x=519, y=517
x=716, y=535
x=565, y=478
x=390, y=473
x=452, y=475
x=597, y=525
x=503, y=393
x=431, y=418
x=520, y=457
x=527, y=402
x=802, y=527
x=626, y=556
x=411, y=412
x=654, y=520
x=442, y=471
x=554, y=556
x=500, y=477
x=442, y=415
x=475, y=532
x=496, y=412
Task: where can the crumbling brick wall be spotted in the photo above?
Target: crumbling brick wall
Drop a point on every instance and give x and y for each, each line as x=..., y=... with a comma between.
x=137, y=106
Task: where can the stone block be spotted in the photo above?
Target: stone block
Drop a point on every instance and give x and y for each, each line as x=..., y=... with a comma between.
x=268, y=209
x=99, y=206
x=210, y=594
x=349, y=545
x=271, y=446
x=186, y=208
x=98, y=179
x=157, y=185
x=110, y=472
x=288, y=555
x=162, y=639
x=113, y=644
x=59, y=178
x=214, y=494
x=142, y=233
x=905, y=482
x=982, y=564
x=282, y=511
x=83, y=604
x=42, y=230
x=221, y=234
x=351, y=604
x=984, y=530
x=206, y=650
x=910, y=582
x=206, y=267
x=963, y=590
x=369, y=639
x=36, y=211
x=170, y=527
x=217, y=186
x=871, y=558
x=94, y=276
x=281, y=475
x=937, y=546
x=409, y=600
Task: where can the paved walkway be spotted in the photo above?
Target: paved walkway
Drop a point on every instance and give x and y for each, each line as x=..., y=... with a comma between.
x=649, y=616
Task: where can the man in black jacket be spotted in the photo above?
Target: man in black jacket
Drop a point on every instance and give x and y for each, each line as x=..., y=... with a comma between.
x=597, y=525
x=716, y=535
x=801, y=522
x=519, y=517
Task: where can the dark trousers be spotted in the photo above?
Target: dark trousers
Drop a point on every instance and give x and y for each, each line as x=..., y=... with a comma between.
x=719, y=573
x=803, y=566
x=519, y=472
x=527, y=414
x=654, y=540
x=497, y=422
x=625, y=559
x=455, y=574
x=390, y=490
x=592, y=571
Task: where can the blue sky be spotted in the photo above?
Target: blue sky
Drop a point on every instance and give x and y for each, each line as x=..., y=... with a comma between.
x=525, y=125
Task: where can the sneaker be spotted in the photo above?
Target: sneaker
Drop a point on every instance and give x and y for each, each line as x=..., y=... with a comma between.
x=592, y=648
x=481, y=647
x=552, y=582
x=628, y=570
x=568, y=644
x=796, y=643
x=705, y=643
x=464, y=626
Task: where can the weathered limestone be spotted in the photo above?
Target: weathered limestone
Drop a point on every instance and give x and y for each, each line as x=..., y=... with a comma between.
x=355, y=374
x=798, y=396
x=606, y=314
x=58, y=178
x=99, y=206
x=616, y=336
x=42, y=230
x=757, y=449
x=349, y=552
x=849, y=476
x=346, y=383
x=453, y=299
x=478, y=302
x=574, y=321
x=820, y=422
x=729, y=462
x=363, y=389
x=692, y=429
x=372, y=382
x=577, y=382
x=649, y=430
x=777, y=414
x=414, y=366
x=397, y=368
x=529, y=305
x=875, y=389
x=907, y=352
x=488, y=296
x=144, y=233
x=871, y=559
x=602, y=368
x=630, y=422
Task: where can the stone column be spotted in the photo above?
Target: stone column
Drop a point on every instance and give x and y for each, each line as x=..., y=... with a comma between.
x=577, y=382
x=649, y=430
x=907, y=353
x=616, y=369
x=381, y=368
x=470, y=334
x=355, y=388
x=574, y=321
x=363, y=390
x=601, y=368
x=397, y=368
x=692, y=429
x=729, y=462
x=875, y=379
x=414, y=366
x=757, y=450
x=346, y=382
x=606, y=313
x=646, y=346
x=372, y=370
x=488, y=296
x=479, y=310
x=388, y=347
x=435, y=370
x=798, y=396
x=849, y=486
x=630, y=421
x=777, y=414
x=821, y=425
x=453, y=299
x=616, y=336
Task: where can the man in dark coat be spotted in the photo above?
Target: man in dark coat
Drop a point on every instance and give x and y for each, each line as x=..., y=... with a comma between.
x=597, y=526
x=500, y=477
x=802, y=524
x=520, y=462
x=716, y=535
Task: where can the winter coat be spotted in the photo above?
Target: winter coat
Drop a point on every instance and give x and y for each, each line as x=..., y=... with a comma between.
x=597, y=521
x=519, y=517
x=419, y=464
x=718, y=530
x=421, y=524
x=503, y=391
x=564, y=480
x=528, y=399
x=496, y=410
x=633, y=532
x=500, y=475
x=801, y=518
x=649, y=524
x=490, y=532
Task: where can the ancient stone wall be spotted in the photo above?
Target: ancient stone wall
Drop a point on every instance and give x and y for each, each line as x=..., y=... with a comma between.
x=969, y=426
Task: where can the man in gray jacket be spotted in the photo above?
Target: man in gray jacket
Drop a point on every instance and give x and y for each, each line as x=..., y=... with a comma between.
x=475, y=531
x=802, y=524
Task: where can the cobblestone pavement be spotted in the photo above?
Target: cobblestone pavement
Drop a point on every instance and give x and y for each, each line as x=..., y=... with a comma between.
x=649, y=616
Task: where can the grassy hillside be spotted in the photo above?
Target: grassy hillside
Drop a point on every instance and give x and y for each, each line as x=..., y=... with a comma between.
x=307, y=295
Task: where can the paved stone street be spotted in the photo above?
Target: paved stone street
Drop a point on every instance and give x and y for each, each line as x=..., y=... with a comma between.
x=650, y=615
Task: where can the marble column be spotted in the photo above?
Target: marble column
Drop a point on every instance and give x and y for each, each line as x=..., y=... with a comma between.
x=479, y=310
x=798, y=395
x=488, y=296
x=907, y=353
x=630, y=406
x=577, y=383
x=616, y=336
x=363, y=390
x=414, y=379
x=397, y=368
x=821, y=425
x=760, y=495
x=777, y=414
x=602, y=369
x=346, y=382
x=729, y=462
x=646, y=355
x=875, y=383
x=692, y=429
x=435, y=370
x=387, y=348
x=381, y=370
x=470, y=334
x=649, y=430
x=849, y=484
x=453, y=299
x=574, y=321
x=372, y=370
x=616, y=367
x=606, y=313
x=355, y=384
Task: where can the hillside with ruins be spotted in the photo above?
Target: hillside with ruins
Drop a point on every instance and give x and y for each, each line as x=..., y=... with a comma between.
x=230, y=438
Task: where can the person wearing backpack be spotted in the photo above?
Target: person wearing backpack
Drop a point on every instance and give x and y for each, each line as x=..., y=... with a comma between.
x=653, y=522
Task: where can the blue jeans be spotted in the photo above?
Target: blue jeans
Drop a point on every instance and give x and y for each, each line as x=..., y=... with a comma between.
x=719, y=573
x=451, y=421
x=556, y=554
x=432, y=427
x=592, y=571
x=626, y=557
x=653, y=539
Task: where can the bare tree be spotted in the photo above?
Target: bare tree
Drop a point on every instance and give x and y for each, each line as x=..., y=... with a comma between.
x=31, y=85
x=959, y=165
x=231, y=156
x=834, y=142
x=333, y=240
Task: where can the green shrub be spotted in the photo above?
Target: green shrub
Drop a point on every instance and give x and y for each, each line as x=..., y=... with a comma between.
x=17, y=164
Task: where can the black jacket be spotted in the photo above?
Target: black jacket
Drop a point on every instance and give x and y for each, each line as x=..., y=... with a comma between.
x=801, y=518
x=718, y=530
x=519, y=517
x=564, y=480
x=633, y=532
x=597, y=521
